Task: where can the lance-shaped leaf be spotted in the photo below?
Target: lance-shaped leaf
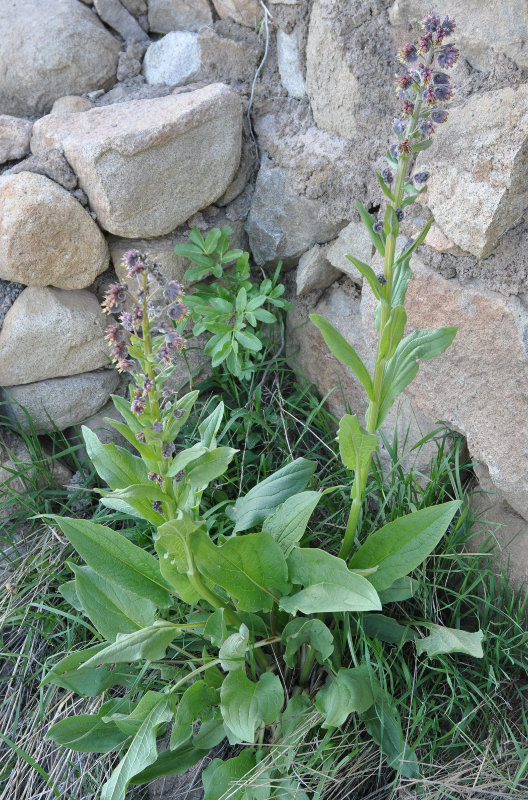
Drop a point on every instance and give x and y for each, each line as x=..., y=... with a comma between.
x=266, y=496
x=113, y=557
x=232, y=653
x=368, y=221
x=356, y=445
x=450, y=640
x=197, y=703
x=384, y=188
x=287, y=524
x=251, y=567
x=404, y=364
x=350, y=690
x=184, y=458
x=392, y=332
x=70, y=673
x=209, y=427
x=139, y=496
x=328, y=585
x=169, y=762
x=246, y=705
x=383, y=723
x=221, y=776
x=344, y=352
x=141, y=753
x=405, y=256
x=402, y=589
x=115, y=465
x=149, y=643
x=209, y=466
x=402, y=545
x=216, y=628
x=386, y=629
x=111, y=608
x=301, y=631
x=370, y=275
x=86, y=733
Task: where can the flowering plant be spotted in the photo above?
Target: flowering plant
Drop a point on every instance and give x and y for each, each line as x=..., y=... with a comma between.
x=247, y=631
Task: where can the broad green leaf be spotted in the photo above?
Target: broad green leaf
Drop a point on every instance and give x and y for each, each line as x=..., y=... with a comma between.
x=370, y=275
x=184, y=458
x=249, y=341
x=149, y=644
x=246, y=705
x=392, y=333
x=70, y=673
x=386, y=629
x=295, y=716
x=382, y=721
x=67, y=590
x=169, y=762
x=111, y=608
x=211, y=240
x=86, y=733
x=209, y=427
x=402, y=545
x=209, y=466
x=233, y=651
x=113, y=557
x=115, y=465
x=329, y=585
x=402, y=589
x=402, y=368
x=251, y=567
x=140, y=496
x=130, y=722
x=350, y=690
x=287, y=524
x=450, y=640
x=170, y=544
x=197, y=703
x=301, y=631
x=185, y=406
x=216, y=629
x=219, y=777
x=402, y=277
x=344, y=352
x=141, y=753
x=368, y=221
x=356, y=445
x=266, y=496
x=210, y=734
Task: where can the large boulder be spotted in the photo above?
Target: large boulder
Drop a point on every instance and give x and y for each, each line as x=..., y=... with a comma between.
x=50, y=333
x=483, y=29
x=60, y=402
x=15, y=134
x=148, y=165
x=50, y=48
x=332, y=87
x=282, y=224
x=178, y=15
x=478, y=188
x=46, y=237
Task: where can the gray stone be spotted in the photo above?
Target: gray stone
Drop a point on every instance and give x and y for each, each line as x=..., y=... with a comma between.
x=9, y=291
x=130, y=60
x=71, y=104
x=355, y=241
x=50, y=333
x=248, y=164
x=132, y=89
x=51, y=48
x=50, y=163
x=117, y=17
x=479, y=169
x=46, y=237
x=136, y=7
x=227, y=59
x=332, y=87
x=61, y=402
x=282, y=224
x=178, y=15
x=315, y=271
x=483, y=29
x=245, y=12
x=148, y=165
x=173, y=60
x=105, y=432
x=15, y=134
x=290, y=63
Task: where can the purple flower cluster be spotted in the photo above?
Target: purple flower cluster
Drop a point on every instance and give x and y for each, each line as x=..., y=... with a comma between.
x=424, y=86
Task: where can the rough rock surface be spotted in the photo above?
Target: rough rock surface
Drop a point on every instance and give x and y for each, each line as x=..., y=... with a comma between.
x=178, y=15
x=332, y=87
x=315, y=271
x=148, y=165
x=50, y=333
x=50, y=163
x=136, y=7
x=245, y=12
x=50, y=48
x=282, y=224
x=117, y=17
x=482, y=28
x=9, y=291
x=46, y=237
x=355, y=241
x=290, y=67
x=64, y=401
x=479, y=169
x=229, y=59
x=15, y=134
x=477, y=385
x=174, y=59
x=71, y=104
x=130, y=60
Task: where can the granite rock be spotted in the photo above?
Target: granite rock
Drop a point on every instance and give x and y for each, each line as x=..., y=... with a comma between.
x=15, y=135
x=178, y=15
x=174, y=59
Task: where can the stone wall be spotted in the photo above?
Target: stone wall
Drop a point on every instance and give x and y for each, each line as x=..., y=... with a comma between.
x=123, y=123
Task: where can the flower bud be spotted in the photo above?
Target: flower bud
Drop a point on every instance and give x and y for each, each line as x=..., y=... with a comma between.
x=421, y=177
x=439, y=115
x=157, y=506
x=377, y=227
x=398, y=127
x=382, y=279
x=138, y=405
x=399, y=214
x=387, y=175
x=157, y=426
x=408, y=53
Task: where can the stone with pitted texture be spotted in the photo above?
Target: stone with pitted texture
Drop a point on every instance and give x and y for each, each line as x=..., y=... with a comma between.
x=174, y=59
x=15, y=134
x=178, y=15
x=117, y=17
x=51, y=48
x=148, y=165
x=245, y=12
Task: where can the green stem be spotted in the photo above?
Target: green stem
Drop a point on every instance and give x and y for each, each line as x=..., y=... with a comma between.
x=306, y=669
